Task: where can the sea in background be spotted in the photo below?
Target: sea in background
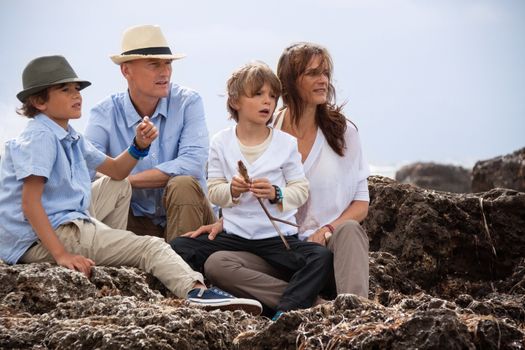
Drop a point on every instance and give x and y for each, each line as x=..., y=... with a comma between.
x=384, y=170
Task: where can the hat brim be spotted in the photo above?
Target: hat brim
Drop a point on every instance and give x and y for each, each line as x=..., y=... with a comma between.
x=118, y=59
x=24, y=94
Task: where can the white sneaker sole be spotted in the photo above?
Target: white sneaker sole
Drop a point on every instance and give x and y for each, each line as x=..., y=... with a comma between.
x=249, y=306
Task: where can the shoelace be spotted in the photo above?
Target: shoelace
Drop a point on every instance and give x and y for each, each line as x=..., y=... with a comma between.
x=220, y=292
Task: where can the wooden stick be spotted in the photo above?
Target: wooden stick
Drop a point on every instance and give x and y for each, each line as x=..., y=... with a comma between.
x=244, y=173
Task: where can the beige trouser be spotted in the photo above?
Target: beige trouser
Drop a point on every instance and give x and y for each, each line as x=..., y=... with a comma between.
x=247, y=275
x=187, y=208
x=116, y=247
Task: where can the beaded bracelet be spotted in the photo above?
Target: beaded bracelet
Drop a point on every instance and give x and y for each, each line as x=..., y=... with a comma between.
x=278, y=195
x=329, y=227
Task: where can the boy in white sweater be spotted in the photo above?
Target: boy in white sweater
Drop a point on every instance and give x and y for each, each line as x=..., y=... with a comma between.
x=274, y=164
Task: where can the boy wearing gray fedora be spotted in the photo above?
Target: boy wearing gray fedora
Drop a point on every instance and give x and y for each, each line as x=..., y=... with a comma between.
x=45, y=212
x=168, y=197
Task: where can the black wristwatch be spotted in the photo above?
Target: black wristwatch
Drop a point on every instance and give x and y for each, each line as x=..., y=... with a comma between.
x=278, y=195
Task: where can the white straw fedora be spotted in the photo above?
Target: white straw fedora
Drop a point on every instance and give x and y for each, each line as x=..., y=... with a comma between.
x=145, y=41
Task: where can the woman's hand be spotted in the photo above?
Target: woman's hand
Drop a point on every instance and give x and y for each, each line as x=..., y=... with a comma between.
x=212, y=229
x=146, y=132
x=320, y=236
x=262, y=188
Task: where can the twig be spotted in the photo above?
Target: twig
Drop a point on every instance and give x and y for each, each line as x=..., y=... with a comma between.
x=487, y=226
x=244, y=173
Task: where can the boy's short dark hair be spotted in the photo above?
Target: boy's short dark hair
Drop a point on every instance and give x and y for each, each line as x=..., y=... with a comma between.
x=249, y=79
x=28, y=108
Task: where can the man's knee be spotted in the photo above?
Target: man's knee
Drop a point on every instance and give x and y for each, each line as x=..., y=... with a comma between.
x=183, y=182
x=183, y=190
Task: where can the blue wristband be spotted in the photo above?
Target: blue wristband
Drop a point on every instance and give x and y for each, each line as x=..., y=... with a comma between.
x=137, y=153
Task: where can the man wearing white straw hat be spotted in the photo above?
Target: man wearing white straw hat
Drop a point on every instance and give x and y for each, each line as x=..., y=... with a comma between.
x=168, y=198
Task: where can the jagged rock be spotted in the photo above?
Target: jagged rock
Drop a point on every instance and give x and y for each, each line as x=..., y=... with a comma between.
x=437, y=235
x=441, y=177
x=69, y=311
x=438, y=279
x=386, y=274
x=38, y=288
x=351, y=322
x=506, y=171
x=515, y=284
x=125, y=322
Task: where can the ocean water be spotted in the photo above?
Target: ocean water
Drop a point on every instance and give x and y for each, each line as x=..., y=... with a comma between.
x=384, y=170
x=390, y=170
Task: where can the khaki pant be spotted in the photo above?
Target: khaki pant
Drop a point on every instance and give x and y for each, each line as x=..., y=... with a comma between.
x=247, y=275
x=187, y=208
x=116, y=247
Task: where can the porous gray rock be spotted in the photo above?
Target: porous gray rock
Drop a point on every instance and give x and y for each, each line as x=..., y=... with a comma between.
x=446, y=271
x=506, y=171
x=435, y=176
x=439, y=235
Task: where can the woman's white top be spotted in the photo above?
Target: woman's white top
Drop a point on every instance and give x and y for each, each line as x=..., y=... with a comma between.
x=335, y=181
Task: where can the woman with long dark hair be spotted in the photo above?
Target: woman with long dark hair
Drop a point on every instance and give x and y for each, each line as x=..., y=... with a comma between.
x=337, y=171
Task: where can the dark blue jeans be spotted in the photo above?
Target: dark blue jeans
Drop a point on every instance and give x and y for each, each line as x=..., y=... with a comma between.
x=309, y=265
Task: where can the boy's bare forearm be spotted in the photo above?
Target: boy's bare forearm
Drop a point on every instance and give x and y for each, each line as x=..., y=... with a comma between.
x=37, y=217
x=118, y=168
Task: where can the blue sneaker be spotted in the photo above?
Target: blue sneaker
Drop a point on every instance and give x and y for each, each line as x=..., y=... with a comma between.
x=277, y=315
x=215, y=298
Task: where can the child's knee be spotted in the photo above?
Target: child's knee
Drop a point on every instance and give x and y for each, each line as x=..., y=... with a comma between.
x=323, y=255
x=124, y=187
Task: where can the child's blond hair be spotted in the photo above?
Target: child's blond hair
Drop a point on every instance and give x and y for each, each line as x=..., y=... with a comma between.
x=249, y=79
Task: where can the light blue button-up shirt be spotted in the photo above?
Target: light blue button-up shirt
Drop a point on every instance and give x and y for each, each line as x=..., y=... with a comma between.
x=180, y=149
x=64, y=159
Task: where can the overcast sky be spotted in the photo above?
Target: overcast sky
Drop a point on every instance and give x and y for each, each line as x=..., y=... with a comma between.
x=440, y=81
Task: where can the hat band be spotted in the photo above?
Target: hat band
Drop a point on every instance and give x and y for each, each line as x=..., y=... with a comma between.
x=162, y=50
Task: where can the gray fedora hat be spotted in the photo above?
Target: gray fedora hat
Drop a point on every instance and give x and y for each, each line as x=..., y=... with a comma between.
x=46, y=71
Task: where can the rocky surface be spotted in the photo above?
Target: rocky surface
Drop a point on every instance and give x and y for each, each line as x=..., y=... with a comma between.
x=447, y=271
x=438, y=236
x=441, y=177
x=505, y=171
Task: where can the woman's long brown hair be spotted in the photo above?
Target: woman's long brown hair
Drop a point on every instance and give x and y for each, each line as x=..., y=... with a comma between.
x=328, y=116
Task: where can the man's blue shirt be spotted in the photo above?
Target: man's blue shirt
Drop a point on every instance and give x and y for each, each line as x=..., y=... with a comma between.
x=180, y=149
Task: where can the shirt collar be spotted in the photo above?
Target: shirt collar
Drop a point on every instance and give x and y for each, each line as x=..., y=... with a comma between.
x=56, y=129
x=133, y=118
